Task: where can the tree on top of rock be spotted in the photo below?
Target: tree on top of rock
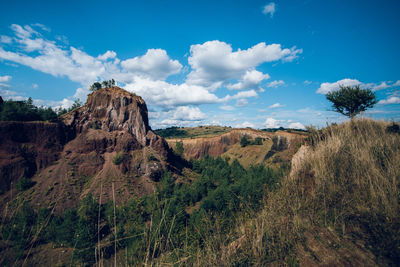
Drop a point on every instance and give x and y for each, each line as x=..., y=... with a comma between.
x=104, y=84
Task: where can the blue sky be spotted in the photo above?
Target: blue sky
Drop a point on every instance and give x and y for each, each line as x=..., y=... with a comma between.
x=237, y=63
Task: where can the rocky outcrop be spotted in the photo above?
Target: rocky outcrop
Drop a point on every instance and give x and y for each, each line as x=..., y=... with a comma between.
x=107, y=141
x=114, y=109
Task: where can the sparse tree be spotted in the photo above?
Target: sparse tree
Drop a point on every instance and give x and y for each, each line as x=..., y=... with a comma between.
x=95, y=86
x=350, y=100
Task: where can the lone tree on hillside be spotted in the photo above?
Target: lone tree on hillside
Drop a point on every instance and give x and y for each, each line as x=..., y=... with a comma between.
x=350, y=100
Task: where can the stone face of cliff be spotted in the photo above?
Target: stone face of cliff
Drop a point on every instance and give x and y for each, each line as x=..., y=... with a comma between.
x=106, y=141
x=27, y=147
x=114, y=109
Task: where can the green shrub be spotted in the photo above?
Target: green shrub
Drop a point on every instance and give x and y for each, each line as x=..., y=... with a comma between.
x=244, y=142
x=151, y=157
x=24, y=184
x=117, y=159
x=179, y=148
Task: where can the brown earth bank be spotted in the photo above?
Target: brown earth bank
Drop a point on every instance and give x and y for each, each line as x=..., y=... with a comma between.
x=228, y=145
x=106, y=142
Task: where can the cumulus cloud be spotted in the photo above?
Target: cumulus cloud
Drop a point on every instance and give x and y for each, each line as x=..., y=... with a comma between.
x=296, y=125
x=107, y=55
x=390, y=100
x=330, y=87
x=272, y=123
x=276, y=84
x=250, y=80
x=186, y=113
x=155, y=64
x=214, y=62
x=167, y=95
x=245, y=124
x=269, y=9
x=381, y=86
x=276, y=105
x=5, y=78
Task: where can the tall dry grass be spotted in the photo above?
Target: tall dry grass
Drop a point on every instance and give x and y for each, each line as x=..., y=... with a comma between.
x=348, y=181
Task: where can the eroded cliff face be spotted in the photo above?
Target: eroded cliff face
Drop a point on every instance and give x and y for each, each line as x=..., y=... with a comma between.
x=28, y=147
x=197, y=148
x=107, y=141
x=116, y=110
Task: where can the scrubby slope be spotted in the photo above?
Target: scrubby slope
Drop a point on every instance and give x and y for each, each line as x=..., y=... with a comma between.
x=339, y=207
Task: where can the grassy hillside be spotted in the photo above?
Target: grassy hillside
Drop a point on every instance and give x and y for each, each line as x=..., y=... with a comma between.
x=192, y=132
x=340, y=207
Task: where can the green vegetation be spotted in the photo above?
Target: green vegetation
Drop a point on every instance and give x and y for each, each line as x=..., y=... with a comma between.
x=24, y=184
x=117, y=159
x=25, y=111
x=179, y=148
x=192, y=132
x=178, y=219
x=350, y=101
x=104, y=84
x=244, y=141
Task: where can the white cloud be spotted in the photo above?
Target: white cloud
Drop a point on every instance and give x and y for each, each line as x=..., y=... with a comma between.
x=245, y=124
x=272, y=123
x=168, y=95
x=381, y=86
x=269, y=9
x=250, y=80
x=183, y=115
x=107, y=55
x=329, y=87
x=243, y=94
x=41, y=26
x=227, y=107
x=5, y=78
x=276, y=105
x=186, y=113
x=296, y=125
x=276, y=84
x=5, y=39
x=307, y=82
x=35, y=86
x=214, y=63
x=390, y=100
x=155, y=64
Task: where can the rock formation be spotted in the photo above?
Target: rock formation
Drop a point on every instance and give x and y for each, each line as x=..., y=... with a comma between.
x=106, y=141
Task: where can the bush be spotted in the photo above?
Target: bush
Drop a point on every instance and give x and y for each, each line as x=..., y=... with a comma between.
x=244, y=142
x=117, y=159
x=24, y=184
x=151, y=157
x=179, y=148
